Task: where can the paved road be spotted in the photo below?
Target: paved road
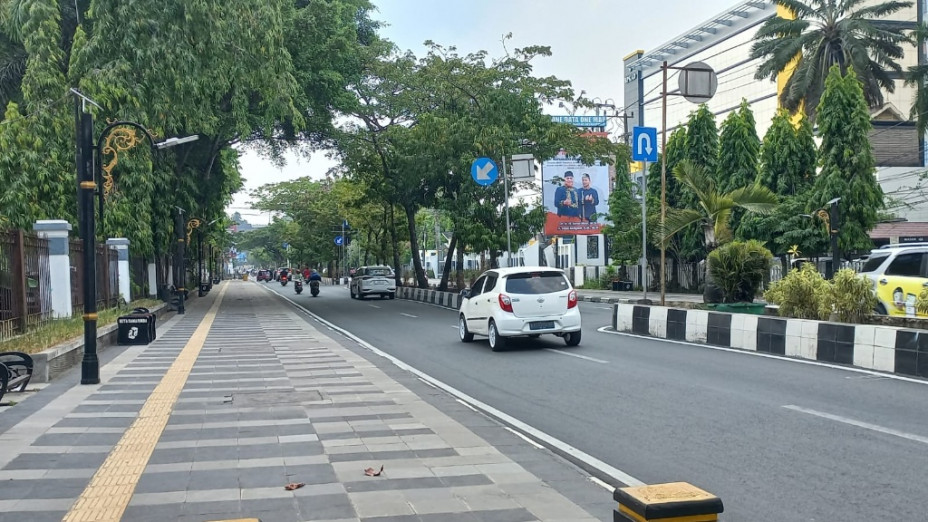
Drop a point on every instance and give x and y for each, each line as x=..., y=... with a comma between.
x=776, y=440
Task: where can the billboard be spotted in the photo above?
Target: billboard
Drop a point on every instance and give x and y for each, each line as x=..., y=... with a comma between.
x=576, y=196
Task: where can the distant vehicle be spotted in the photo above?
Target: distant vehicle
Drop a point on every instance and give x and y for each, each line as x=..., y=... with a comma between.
x=373, y=280
x=520, y=301
x=264, y=275
x=898, y=274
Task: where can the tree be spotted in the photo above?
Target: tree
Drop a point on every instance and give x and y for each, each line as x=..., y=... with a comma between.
x=739, y=149
x=702, y=144
x=713, y=213
x=823, y=34
x=788, y=155
x=846, y=160
x=917, y=76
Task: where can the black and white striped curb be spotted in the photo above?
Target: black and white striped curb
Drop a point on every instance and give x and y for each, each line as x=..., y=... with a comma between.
x=883, y=348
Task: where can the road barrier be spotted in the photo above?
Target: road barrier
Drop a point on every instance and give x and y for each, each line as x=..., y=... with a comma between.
x=883, y=348
x=446, y=299
x=676, y=501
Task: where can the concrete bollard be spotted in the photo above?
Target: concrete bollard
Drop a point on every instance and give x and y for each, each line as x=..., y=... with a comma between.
x=676, y=501
x=121, y=245
x=59, y=264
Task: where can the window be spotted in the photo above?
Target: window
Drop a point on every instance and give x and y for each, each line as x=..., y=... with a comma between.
x=379, y=272
x=909, y=265
x=592, y=247
x=475, y=290
x=491, y=282
x=536, y=283
x=873, y=263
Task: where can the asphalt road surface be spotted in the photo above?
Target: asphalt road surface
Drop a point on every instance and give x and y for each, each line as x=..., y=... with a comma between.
x=777, y=440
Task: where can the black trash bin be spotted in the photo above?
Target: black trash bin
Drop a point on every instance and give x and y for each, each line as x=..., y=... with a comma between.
x=616, y=286
x=136, y=328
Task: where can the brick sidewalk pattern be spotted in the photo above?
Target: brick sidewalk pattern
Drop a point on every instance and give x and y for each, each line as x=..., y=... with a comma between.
x=269, y=400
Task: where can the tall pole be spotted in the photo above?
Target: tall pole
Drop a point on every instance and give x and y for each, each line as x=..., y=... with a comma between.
x=508, y=228
x=663, y=179
x=181, y=252
x=835, y=249
x=199, y=263
x=644, y=228
x=90, y=364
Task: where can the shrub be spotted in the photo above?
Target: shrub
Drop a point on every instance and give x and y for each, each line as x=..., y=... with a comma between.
x=921, y=304
x=851, y=296
x=803, y=293
x=739, y=268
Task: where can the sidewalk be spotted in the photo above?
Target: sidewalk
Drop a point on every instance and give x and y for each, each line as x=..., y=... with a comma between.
x=242, y=396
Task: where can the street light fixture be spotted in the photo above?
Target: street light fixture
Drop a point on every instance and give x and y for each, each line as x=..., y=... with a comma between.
x=88, y=174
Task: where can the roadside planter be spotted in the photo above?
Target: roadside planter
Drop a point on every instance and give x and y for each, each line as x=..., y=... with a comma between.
x=738, y=308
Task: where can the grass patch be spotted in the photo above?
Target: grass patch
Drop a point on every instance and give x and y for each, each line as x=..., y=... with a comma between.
x=58, y=331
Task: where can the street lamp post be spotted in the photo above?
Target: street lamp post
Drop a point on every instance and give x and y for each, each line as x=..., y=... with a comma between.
x=88, y=172
x=179, y=261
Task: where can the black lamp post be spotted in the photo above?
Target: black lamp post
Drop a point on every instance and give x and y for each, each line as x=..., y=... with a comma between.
x=88, y=172
x=179, y=260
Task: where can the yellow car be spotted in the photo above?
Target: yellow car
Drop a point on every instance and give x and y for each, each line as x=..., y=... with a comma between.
x=898, y=274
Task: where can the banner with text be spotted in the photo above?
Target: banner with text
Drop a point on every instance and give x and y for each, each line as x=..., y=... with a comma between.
x=576, y=196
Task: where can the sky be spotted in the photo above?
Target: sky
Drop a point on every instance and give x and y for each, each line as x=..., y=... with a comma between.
x=588, y=39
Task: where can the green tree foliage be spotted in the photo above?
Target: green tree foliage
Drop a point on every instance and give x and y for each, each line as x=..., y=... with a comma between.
x=915, y=76
x=702, y=143
x=803, y=294
x=788, y=155
x=739, y=269
x=842, y=33
x=36, y=137
x=846, y=160
x=713, y=214
x=739, y=149
x=625, y=216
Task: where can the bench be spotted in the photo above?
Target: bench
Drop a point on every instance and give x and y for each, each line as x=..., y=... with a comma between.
x=15, y=372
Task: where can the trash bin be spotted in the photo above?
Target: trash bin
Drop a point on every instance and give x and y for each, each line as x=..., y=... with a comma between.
x=616, y=286
x=136, y=328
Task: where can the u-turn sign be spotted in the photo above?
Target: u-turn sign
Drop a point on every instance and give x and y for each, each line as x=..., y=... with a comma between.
x=644, y=144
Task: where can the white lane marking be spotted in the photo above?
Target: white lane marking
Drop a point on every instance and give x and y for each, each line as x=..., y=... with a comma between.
x=454, y=326
x=578, y=356
x=373, y=306
x=859, y=424
x=608, y=330
x=409, y=315
x=554, y=442
x=466, y=405
x=526, y=439
x=601, y=484
x=604, y=308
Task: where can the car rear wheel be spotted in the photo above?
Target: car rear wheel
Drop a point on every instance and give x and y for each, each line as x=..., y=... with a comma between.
x=392, y=295
x=497, y=341
x=572, y=338
x=465, y=334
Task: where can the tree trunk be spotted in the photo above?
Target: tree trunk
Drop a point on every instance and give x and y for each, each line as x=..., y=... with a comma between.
x=397, y=269
x=443, y=286
x=460, y=270
x=421, y=280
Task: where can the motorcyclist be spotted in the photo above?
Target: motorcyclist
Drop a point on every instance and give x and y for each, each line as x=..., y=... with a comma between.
x=314, y=276
x=306, y=273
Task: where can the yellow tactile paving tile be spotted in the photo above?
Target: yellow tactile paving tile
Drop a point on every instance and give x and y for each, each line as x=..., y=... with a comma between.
x=111, y=488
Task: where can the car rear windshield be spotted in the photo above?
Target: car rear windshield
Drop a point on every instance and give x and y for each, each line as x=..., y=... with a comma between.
x=378, y=272
x=874, y=262
x=536, y=283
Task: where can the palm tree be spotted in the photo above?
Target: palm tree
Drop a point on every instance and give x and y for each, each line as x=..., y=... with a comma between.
x=917, y=76
x=714, y=208
x=825, y=33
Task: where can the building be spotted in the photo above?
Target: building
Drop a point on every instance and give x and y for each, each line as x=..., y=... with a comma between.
x=724, y=43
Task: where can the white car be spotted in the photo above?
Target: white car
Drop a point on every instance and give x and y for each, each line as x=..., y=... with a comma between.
x=373, y=280
x=520, y=301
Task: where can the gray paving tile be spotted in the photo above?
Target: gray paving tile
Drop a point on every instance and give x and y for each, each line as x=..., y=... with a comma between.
x=278, y=505
x=326, y=507
x=299, y=449
x=212, y=479
x=505, y=515
x=311, y=474
x=173, y=455
x=263, y=477
x=465, y=480
x=388, y=484
x=372, y=457
x=163, y=482
x=158, y=513
x=33, y=516
x=198, y=509
x=448, y=517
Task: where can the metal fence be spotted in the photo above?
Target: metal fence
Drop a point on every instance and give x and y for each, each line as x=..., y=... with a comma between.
x=107, y=276
x=25, y=289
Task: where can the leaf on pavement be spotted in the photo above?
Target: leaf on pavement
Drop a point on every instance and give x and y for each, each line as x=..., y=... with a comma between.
x=294, y=485
x=371, y=472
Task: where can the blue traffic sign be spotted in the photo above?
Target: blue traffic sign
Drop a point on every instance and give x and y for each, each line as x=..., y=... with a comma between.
x=644, y=144
x=339, y=240
x=484, y=171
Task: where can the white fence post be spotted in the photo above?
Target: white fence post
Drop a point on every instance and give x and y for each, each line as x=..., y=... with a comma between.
x=55, y=231
x=121, y=245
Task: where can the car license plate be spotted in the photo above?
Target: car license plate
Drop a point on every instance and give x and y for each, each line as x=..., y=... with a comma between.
x=380, y=282
x=541, y=325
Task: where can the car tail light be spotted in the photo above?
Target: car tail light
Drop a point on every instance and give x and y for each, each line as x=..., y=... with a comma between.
x=571, y=299
x=505, y=303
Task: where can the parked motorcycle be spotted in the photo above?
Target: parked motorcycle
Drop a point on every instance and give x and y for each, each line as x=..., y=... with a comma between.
x=314, y=288
x=283, y=280
x=298, y=286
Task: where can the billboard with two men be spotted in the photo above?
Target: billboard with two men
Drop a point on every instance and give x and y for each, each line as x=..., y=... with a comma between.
x=576, y=196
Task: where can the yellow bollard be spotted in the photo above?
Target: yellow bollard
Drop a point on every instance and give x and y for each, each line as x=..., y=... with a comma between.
x=672, y=502
x=245, y=277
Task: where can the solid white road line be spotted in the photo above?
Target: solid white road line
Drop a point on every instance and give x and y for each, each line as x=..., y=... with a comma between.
x=859, y=424
x=409, y=315
x=468, y=406
x=578, y=356
x=609, y=330
x=373, y=306
x=601, y=484
x=553, y=442
x=526, y=439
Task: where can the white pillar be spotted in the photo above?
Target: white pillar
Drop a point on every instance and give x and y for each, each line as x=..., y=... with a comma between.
x=59, y=263
x=152, y=280
x=121, y=245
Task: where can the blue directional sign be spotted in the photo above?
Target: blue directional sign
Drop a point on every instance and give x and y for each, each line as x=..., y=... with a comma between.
x=644, y=144
x=339, y=240
x=484, y=171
